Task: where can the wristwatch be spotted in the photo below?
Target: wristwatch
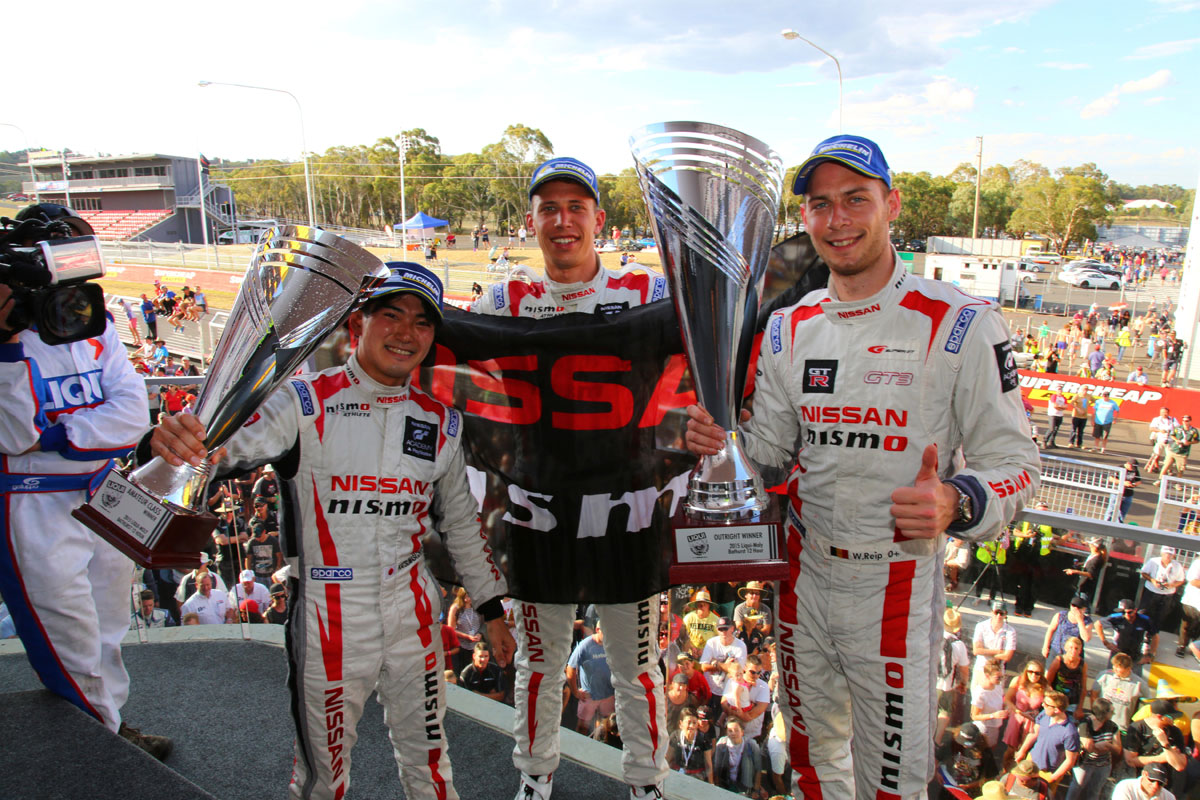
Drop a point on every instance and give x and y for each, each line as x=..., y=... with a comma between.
x=966, y=508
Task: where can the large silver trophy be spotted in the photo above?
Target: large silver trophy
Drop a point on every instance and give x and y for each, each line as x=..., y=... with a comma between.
x=713, y=194
x=300, y=286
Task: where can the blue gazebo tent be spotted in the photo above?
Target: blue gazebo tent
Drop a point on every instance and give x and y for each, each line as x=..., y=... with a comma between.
x=421, y=222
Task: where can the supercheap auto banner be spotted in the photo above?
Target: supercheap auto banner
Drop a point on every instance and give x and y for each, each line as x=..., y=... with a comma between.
x=574, y=431
x=1140, y=403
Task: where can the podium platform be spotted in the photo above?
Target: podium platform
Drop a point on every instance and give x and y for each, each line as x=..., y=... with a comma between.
x=224, y=702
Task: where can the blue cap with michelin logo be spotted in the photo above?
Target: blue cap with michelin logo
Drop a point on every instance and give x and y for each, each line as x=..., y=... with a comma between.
x=415, y=279
x=855, y=152
x=565, y=168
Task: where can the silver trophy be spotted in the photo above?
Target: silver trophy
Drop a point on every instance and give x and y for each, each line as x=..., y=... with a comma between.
x=713, y=195
x=300, y=286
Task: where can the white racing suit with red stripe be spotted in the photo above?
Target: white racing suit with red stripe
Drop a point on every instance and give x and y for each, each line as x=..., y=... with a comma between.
x=544, y=630
x=859, y=389
x=67, y=589
x=366, y=470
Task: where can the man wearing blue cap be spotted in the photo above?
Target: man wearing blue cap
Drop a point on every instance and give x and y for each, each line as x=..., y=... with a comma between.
x=904, y=394
x=367, y=464
x=566, y=217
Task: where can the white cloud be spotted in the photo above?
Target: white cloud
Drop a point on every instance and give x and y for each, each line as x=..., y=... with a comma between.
x=1064, y=65
x=1101, y=106
x=1147, y=84
x=1014, y=50
x=1105, y=104
x=1153, y=101
x=913, y=112
x=1164, y=49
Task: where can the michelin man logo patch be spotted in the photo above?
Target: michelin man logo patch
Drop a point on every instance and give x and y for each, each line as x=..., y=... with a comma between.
x=1007, y=364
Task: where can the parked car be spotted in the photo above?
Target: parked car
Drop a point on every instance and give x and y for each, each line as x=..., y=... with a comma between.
x=1089, y=278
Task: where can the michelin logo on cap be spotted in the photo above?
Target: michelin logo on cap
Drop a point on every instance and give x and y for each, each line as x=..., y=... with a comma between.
x=564, y=168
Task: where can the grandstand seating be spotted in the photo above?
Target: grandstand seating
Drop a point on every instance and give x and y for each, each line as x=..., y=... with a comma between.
x=118, y=225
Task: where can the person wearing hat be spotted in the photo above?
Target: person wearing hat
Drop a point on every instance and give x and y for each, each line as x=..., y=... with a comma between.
x=229, y=541
x=1087, y=572
x=970, y=762
x=1024, y=781
x=277, y=611
x=1135, y=634
x=1104, y=411
x=1149, y=785
x=879, y=485
x=699, y=621
x=723, y=656
x=263, y=554
x=752, y=600
x=993, y=790
x=953, y=674
x=995, y=639
x=1156, y=740
x=1075, y=621
x=698, y=689
x=368, y=462
x=565, y=215
x=750, y=633
x=1164, y=575
x=249, y=589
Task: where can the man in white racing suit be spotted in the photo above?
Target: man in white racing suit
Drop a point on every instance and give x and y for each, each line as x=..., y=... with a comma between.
x=68, y=411
x=368, y=464
x=566, y=217
x=872, y=387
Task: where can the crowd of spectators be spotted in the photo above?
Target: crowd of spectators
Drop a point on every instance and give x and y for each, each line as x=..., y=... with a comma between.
x=1051, y=728
x=1100, y=342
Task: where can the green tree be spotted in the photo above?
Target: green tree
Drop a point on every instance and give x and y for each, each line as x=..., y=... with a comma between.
x=925, y=205
x=621, y=198
x=513, y=159
x=1064, y=209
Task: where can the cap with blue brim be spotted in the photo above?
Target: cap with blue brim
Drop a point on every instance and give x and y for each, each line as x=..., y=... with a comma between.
x=564, y=168
x=413, y=279
x=853, y=152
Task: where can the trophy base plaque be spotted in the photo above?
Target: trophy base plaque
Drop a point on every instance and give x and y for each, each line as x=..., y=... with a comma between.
x=707, y=551
x=143, y=528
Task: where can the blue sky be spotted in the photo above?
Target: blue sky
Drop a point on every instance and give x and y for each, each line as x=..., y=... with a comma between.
x=1060, y=83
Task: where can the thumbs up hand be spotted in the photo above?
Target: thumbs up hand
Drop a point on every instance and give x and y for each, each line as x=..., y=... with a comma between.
x=928, y=506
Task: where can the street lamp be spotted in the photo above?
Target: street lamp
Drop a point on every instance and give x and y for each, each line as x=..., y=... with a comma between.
x=788, y=33
x=404, y=143
x=28, y=156
x=303, y=141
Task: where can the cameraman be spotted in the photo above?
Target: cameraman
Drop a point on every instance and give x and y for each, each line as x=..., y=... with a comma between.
x=69, y=410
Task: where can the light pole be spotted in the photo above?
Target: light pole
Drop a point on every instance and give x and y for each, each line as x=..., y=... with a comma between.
x=303, y=140
x=28, y=155
x=788, y=33
x=978, y=179
x=404, y=143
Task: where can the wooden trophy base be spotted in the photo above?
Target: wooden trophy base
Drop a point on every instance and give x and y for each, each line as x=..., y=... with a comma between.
x=144, y=528
x=741, y=550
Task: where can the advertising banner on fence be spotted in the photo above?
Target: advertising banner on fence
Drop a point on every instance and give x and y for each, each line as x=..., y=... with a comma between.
x=1139, y=403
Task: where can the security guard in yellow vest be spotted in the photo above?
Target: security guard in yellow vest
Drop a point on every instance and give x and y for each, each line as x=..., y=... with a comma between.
x=993, y=555
x=1030, y=546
